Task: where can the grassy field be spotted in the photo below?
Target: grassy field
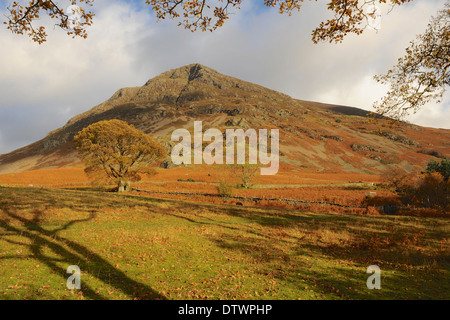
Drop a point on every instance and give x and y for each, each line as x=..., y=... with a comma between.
x=135, y=247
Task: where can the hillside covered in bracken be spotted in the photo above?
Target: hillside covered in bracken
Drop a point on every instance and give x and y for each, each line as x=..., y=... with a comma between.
x=314, y=137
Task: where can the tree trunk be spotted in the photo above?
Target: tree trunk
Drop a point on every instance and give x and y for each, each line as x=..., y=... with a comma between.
x=121, y=186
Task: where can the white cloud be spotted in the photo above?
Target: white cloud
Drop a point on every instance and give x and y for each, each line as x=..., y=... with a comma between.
x=65, y=76
x=433, y=115
x=43, y=86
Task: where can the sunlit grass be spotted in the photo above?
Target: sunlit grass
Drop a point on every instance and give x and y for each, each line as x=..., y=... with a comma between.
x=133, y=247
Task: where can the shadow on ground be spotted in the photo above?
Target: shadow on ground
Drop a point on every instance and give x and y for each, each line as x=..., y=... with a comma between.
x=36, y=238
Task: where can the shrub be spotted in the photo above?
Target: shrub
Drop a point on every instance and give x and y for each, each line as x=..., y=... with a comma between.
x=426, y=190
x=225, y=189
x=372, y=211
x=443, y=168
x=432, y=191
x=380, y=201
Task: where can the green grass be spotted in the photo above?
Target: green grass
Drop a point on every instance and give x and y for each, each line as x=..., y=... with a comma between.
x=132, y=247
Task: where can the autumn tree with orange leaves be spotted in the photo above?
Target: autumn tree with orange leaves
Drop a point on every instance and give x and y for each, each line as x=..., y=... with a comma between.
x=24, y=14
x=349, y=16
x=423, y=74
x=117, y=150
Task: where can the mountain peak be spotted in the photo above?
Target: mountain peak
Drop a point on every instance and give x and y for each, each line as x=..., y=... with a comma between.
x=193, y=82
x=196, y=81
x=189, y=72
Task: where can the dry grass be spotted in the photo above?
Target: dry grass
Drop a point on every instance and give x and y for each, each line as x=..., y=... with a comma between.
x=343, y=189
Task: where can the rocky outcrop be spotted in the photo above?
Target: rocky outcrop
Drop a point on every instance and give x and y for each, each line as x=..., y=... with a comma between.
x=358, y=148
x=399, y=138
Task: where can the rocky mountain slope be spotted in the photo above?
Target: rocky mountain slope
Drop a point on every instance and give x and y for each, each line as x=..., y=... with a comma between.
x=314, y=137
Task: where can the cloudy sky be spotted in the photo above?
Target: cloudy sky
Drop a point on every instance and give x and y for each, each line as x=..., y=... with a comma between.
x=43, y=86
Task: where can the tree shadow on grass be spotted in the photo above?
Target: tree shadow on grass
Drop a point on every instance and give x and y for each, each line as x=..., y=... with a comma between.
x=358, y=241
x=255, y=233
x=69, y=252
x=319, y=273
x=199, y=214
